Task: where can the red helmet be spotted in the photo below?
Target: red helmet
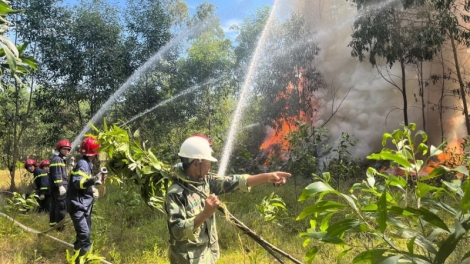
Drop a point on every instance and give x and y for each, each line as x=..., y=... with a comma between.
x=204, y=137
x=30, y=162
x=63, y=144
x=44, y=163
x=89, y=146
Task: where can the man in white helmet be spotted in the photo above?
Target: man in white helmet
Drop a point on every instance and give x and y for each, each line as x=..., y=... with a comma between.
x=191, y=221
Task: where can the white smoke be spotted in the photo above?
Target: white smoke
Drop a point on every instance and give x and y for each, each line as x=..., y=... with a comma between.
x=372, y=106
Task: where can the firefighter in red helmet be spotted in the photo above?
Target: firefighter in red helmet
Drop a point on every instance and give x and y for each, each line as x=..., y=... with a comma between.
x=58, y=182
x=41, y=180
x=81, y=194
x=45, y=165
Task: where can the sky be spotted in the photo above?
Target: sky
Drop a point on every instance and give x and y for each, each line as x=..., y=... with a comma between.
x=230, y=12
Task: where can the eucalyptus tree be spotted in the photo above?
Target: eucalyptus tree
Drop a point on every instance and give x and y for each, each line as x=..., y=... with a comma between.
x=394, y=33
x=452, y=18
x=15, y=63
x=45, y=25
x=149, y=26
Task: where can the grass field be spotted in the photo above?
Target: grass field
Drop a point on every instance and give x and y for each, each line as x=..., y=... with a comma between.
x=125, y=230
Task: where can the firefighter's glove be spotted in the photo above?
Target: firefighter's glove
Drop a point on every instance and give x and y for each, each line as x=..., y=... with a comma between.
x=96, y=193
x=98, y=178
x=42, y=197
x=62, y=190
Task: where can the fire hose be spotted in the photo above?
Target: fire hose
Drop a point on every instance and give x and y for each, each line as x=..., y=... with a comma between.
x=44, y=233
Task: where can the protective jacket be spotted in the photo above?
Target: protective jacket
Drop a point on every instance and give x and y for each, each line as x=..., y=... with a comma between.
x=183, y=205
x=41, y=179
x=80, y=192
x=58, y=172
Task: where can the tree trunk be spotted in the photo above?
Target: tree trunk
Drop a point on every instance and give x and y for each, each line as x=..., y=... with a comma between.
x=461, y=84
x=421, y=93
x=403, y=91
x=441, y=100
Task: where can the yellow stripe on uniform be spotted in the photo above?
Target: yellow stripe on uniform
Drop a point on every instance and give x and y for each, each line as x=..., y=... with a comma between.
x=57, y=181
x=40, y=175
x=57, y=164
x=84, y=177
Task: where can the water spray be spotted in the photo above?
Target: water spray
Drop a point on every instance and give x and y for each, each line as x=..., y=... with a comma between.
x=245, y=89
x=187, y=91
x=190, y=32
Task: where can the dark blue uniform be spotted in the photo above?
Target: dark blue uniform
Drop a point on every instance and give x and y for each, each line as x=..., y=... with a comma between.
x=57, y=178
x=41, y=180
x=80, y=203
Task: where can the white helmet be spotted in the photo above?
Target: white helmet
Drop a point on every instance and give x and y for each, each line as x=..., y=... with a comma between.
x=196, y=148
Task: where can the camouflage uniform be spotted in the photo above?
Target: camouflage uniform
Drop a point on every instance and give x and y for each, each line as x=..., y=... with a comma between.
x=182, y=206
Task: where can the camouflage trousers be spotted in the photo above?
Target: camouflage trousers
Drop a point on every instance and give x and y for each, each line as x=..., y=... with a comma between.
x=204, y=254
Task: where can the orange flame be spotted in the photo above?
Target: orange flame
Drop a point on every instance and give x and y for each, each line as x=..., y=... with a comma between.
x=451, y=157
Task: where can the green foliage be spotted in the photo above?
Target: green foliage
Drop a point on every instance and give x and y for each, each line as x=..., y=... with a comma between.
x=272, y=208
x=132, y=163
x=21, y=203
x=89, y=257
x=379, y=208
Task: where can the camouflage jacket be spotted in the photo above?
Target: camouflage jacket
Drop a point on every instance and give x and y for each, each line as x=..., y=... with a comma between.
x=182, y=205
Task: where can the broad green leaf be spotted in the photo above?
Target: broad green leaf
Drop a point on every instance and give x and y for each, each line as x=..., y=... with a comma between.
x=322, y=206
x=442, y=205
x=315, y=188
x=385, y=137
x=423, y=135
x=410, y=245
x=461, y=169
x=369, y=256
x=466, y=257
x=465, y=203
x=423, y=189
x=341, y=255
x=425, y=244
x=324, y=237
x=382, y=210
x=448, y=246
x=5, y=8
x=30, y=62
x=325, y=223
x=338, y=228
x=306, y=242
x=429, y=217
x=371, y=181
x=396, y=181
x=350, y=201
x=369, y=208
x=311, y=253
x=326, y=176
x=391, y=260
x=10, y=57
x=436, y=151
x=371, y=172
x=423, y=148
x=454, y=187
x=395, y=158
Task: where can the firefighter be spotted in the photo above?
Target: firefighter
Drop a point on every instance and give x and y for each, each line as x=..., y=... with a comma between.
x=58, y=182
x=45, y=165
x=41, y=180
x=82, y=192
x=190, y=218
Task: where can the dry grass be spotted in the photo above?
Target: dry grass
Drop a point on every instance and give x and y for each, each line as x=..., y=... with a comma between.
x=125, y=230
